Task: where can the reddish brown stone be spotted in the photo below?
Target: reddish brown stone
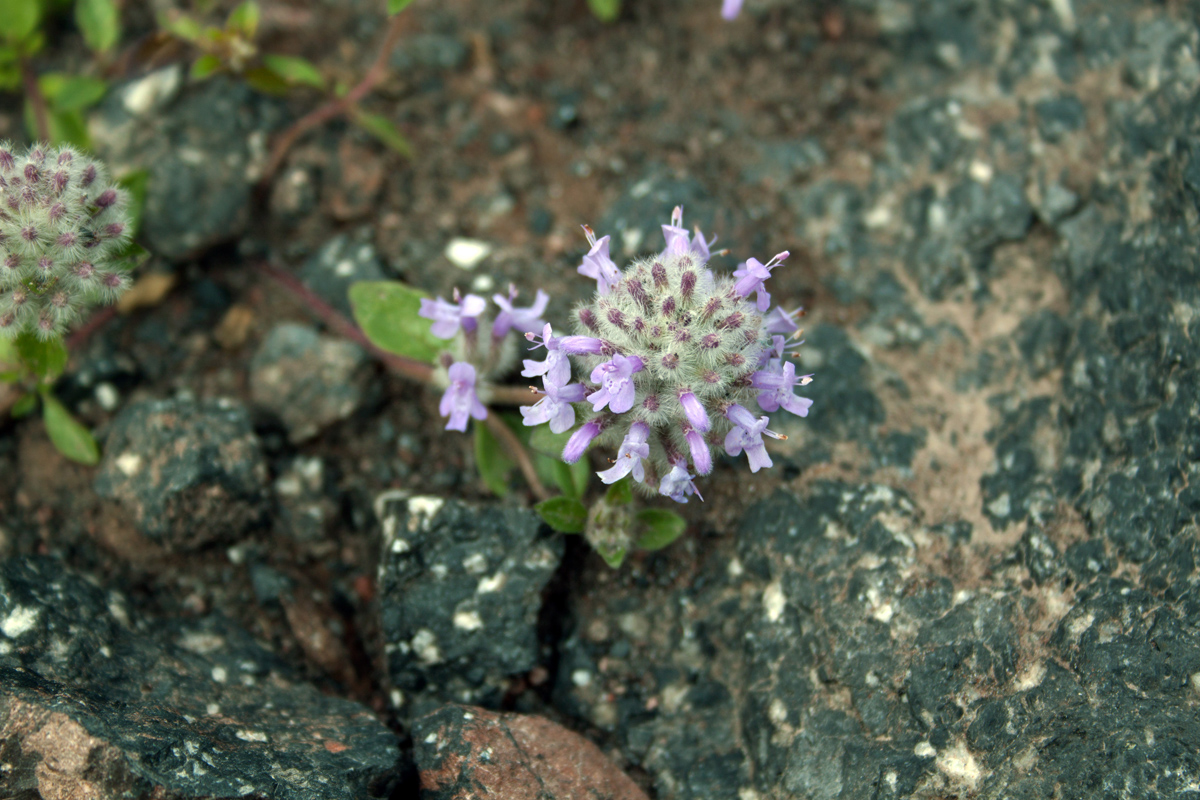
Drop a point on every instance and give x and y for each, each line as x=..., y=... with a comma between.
x=467, y=753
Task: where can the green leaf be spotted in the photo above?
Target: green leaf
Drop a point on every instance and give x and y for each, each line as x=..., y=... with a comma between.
x=69, y=127
x=264, y=80
x=620, y=493
x=383, y=130
x=9, y=355
x=563, y=514
x=548, y=443
x=572, y=479
x=72, y=92
x=20, y=17
x=493, y=465
x=614, y=558
x=662, y=527
x=100, y=23
x=244, y=19
x=72, y=439
x=204, y=66
x=23, y=406
x=387, y=313
x=605, y=10
x=396, y=6
x=183, y=27
x=295, y=71
x=135, y=184
x=45, y=360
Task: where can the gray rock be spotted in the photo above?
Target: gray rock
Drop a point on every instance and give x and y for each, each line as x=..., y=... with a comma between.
x=434, y=51
x=306, y=500
x=202, y=146
x=785, y=160
x=340, y=263
x=97, y=701
x=190, y=473
x=1058, y=116
x=460, y=589
x=635, y=218
x=308, y=380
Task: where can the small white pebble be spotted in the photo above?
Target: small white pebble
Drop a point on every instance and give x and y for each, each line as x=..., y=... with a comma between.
x=467, y=253
x=581, y=678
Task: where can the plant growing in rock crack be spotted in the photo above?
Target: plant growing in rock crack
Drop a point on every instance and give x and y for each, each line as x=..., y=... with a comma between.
x=55, y=101
x=670, y=358
x=64, y=240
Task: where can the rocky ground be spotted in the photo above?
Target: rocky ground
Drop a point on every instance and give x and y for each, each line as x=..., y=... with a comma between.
x=971, y=573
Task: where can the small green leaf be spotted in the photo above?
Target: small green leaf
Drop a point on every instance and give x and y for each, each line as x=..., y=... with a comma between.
x=9, y=355
x=72, y=439
x=620, y=493
x=396, y=6
x=493, y=465
x=204, y=67
x=264, y=80
x=69, y=127
x=23, y=406
x=614, y=558
x=135, y=184
x=572, y=479
x=382, y=129
x=10, y=376
x=100, y=23
x=244, y=19
x=45, y=360
x=662, y=527
x=387, y=313
x=563, y=514
x=548, y=443
x=605, y=10
x=296, y=71
x=183, y=27
x=73, y=92
x=20, y=17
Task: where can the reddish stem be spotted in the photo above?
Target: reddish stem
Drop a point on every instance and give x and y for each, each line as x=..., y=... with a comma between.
x=33, y=93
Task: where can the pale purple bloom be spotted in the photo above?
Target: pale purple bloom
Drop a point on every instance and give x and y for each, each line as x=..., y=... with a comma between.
x=747, y=435
x=615, y=377
x=525, y=320
x=629, y=457
x=731, y=8
x=555, y=407
x=751, y=276
x=776, y=386
x=598, y=265
x=701, y=458
x=679, y=241
x=448, y=317
x=779, y=349
x=581, y=345
x=677, y=484
x=579, y=441
x=460, y=400
x=693, y=409
x=556, y=367
x=780, y=321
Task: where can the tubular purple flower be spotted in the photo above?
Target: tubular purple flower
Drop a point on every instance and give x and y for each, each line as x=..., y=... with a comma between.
x=751, y=275
x=448, y=317
x=776, y=386
x=677, y=484
x=460, y=401
x=525, y=320
x=598, y=265
x=693, y=409
x=747, y=435
x=780, y=321
x=555, y=407
x=701, y=458
x=629, y=457
x=579, y=441
x=731, y=8
x=678, y=239
x=615, y=377
x=556, y=367
x=581, y=345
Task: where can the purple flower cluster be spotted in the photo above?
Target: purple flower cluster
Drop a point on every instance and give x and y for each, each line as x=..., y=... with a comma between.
x=478, y=347
x=673, y=355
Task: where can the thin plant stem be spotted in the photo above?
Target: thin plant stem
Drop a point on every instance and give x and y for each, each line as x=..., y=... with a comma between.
x=9, y=395
x=337, y=106
x=37, y=101
x=519, y=454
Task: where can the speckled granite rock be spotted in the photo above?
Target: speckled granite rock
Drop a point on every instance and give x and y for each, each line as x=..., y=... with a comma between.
x=465, y=752
x=97, y=702
x=460, y=588
x=188, y=472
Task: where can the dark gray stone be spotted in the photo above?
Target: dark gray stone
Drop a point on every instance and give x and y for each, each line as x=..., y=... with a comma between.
x=431, y=51
x=188, y=472
x=202, y=145
x=308, y=380
x=1059, y=116
x=165, y=708
x=635, y=218
x=340, y=263
x=459, y=595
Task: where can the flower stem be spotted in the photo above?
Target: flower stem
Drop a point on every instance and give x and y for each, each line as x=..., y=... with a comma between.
x=37, y=101
x=518, y=453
